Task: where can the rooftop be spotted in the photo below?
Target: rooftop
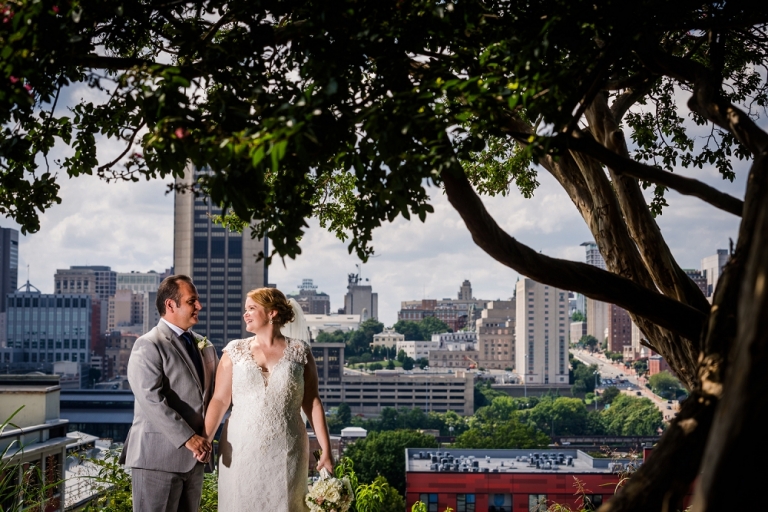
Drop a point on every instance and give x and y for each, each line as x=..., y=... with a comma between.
x=563, y=460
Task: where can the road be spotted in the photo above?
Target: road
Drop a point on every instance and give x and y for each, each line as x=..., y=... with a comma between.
x=609, y=370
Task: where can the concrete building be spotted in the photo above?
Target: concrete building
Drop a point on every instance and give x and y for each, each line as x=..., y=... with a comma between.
x=311, y=301
x=151, y=315
x=619, y=329
x=44, y=328
x=331, y=323
x=447, y=358
x=465, y=292
x=97, y=281
x=597, y=313
x=711, y=268
x=37, y=442
x=456, y=313
x=126, y=312
x=462, y=340
x=496, y=335
x=221, y=263
x=329, y=358
x=360, y=299
x=541, y=328
x=657, y=364
x=117, y=350
x=139, y=282
x=369, y=394
x=388, y=338
x=417, y=349
x=578, y=330
x=577, y=302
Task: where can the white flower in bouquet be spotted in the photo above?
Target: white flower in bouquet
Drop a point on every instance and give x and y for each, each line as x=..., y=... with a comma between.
x=330, y=494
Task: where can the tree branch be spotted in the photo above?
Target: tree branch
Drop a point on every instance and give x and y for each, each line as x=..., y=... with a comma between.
x=593, y=282
x=627, y=166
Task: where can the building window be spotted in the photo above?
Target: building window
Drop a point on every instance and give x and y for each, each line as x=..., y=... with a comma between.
x=465, y=503
x=500, y=503
x=430, y=500
x=537, y=502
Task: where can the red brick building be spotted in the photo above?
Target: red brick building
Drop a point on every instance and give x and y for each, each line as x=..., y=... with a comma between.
x=657, y=364
x=619, y=329
x=508, y=480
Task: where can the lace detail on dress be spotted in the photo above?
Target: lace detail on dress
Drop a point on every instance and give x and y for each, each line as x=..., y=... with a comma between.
x=296, y=351
x=238, y=350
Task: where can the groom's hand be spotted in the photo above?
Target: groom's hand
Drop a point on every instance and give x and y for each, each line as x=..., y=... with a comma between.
x=199, y=446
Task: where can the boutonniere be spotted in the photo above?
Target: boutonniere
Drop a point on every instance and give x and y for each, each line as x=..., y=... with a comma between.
x=204, y=343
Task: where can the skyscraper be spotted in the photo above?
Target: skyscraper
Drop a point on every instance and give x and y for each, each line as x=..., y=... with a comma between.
x=98, y=281
x=711, y=268
x=360, y=299
x=541, y=331
x=9, y=264
x=597, y=312
x=221, y=263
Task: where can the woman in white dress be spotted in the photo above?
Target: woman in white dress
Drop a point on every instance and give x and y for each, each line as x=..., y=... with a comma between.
x=268, y=379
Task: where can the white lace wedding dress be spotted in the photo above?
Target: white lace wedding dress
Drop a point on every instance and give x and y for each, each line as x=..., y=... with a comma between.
x=264, y=446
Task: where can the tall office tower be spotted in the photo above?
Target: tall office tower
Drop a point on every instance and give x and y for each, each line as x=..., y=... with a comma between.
x=360, y=299
x=496, y=335
x=221, y=263
x=9, y=263
x=139, y=282
x=597, y=312
x=541, y=331
x=465, y=292
x=711, y=268
x=697, y=276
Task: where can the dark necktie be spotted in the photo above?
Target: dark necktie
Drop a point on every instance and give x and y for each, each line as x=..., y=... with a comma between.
x=194, y=354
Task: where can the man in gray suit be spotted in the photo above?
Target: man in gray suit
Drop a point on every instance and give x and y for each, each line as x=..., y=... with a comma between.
x=171, y=372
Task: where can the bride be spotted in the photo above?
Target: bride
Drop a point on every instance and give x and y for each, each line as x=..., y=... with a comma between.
x=269, y=379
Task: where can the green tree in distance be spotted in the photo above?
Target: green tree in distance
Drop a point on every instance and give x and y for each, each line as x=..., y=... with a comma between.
x=511, y=433
x=631, y=416
x=381, y=453
x=609, y=394
x=347, y=112
x=411, y=330
x=432, y=325
x=578, y=316
x=664, y=384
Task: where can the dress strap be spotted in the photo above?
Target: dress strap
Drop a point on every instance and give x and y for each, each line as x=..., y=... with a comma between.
x=296, y=351
x=238, y=350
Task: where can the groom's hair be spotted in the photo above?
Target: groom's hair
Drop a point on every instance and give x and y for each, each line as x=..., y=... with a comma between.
x=170, y=289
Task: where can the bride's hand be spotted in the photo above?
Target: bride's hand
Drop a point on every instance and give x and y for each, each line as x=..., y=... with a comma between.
x=325, y=462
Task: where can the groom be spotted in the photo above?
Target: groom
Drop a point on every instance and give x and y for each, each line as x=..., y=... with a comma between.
x=171, y=372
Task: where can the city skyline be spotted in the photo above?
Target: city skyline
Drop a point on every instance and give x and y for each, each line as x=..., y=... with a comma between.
x=129, y=226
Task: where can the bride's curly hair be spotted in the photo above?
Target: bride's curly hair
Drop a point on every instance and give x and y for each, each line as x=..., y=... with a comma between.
x=273, y=299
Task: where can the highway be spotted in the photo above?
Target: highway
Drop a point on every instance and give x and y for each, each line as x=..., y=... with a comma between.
x=609, y=370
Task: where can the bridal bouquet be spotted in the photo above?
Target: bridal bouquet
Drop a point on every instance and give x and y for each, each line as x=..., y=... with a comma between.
x=330, y=494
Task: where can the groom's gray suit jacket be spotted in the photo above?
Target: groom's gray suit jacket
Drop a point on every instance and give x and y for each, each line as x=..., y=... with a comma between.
x=170, y=401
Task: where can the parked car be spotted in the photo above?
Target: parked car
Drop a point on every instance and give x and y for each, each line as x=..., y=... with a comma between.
x=638, y=393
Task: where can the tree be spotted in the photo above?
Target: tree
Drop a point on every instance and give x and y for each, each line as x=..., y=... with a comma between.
x=390, y=365
x=609, y=394
x=584, y=376
x=307, y=109
x=401, y=355
x=432, y=325
x=409, y=329
x=381, y=453
x=664, y=384
x=344, y=413
x=631, y=416
x=408, y=363
x=560, y=416
x=511, y=433
x=588, y=341
x=578, y=316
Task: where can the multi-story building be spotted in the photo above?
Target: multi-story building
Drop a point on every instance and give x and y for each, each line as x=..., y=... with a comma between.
x=619, y=329
x=541, y=329
x=697, y=276
x=97, y=281
x=126, y=312
x=417, y=349
x=387, y=338
x=578, y=330
x=597, y=312
x=712, y=268
x=36, y=442
x=139, y=282
x=329, y=358
x=331, y=323
x=9, y=263
x=222, y=263
x=496, y=335
x=44, y=328
x=360, y=299
x=462, y=340
x=510, y=480
x=117, y=350
x=465, y=292
x=311, y=301
x=456, y=313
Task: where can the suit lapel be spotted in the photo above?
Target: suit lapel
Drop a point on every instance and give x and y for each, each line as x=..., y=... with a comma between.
x=179, y=346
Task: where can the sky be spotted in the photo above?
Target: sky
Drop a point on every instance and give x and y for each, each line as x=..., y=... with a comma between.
x=129, y=226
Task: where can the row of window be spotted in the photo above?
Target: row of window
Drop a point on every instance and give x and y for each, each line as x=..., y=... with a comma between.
x=49, y=302
x=43, y=345
x=503, y=502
